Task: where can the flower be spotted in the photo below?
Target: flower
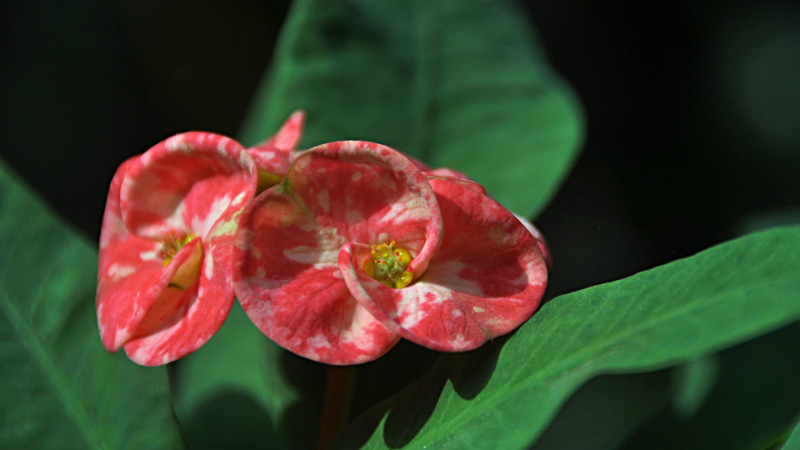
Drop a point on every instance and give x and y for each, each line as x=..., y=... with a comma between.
x=164, y=279
x=273, y=156
x=360, y=245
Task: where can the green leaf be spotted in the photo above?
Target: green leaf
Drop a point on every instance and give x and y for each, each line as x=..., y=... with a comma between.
x=227, y=392
x=695, y=380
x=753, y=399
x=58, y=387
x=241, y=390
x=606, y=410
x=793, y=442
x=655, y=319
x=462, y=84
x=230, y=391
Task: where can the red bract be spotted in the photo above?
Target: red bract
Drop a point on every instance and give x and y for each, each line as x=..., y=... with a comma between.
x=358, y=246
x=164, y=284
x=273, y=156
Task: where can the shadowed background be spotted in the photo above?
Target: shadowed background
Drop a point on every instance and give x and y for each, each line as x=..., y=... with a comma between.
x=692, y=111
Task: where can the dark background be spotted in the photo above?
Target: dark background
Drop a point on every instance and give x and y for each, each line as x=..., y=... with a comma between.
x=693, y=111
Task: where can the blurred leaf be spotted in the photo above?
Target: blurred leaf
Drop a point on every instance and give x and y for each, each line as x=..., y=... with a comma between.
x=59, y=388
x=229, y=391
x=695, y=380
x=241, y=390
x=794, y=439
x=606, y=410
x=657, y=318
x=755, y=399
x=462, y=84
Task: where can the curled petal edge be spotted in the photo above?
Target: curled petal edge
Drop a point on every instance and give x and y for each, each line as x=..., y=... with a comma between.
x=485, y=281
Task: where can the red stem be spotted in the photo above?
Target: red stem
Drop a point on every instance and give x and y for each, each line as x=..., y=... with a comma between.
x=336, y=406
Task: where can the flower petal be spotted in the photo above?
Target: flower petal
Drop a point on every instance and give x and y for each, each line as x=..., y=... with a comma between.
x=548, y=257
x=191, y=184
x=286, y=255
x=276, y=153
x=185, y=184
x=487, y=278
x=455, y=176
x=289, y=134
x=291, y=290
x=370, y=194
x=133, y=293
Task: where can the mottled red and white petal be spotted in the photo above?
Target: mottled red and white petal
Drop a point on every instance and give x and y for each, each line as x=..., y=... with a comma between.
x=119, y=260
x=370, y=194
x=548, y=257
x=276, y=153
x=187, y=183
x=286, y=255
x=192, y=184
x=287, y=281
x=455, y=176
x=290, y=133
x=191, y=316
x=487, y=278
x=133, y=291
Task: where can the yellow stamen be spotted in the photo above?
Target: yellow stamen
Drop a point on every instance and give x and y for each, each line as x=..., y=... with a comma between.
x=172, y=245
x=388, y=265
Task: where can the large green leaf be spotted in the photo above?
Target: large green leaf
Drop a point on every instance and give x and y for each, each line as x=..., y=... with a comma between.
x=58, y=387
x=456, y=83
x=654, y=319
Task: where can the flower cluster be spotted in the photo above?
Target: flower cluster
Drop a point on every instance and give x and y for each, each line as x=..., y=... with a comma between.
x=348, y=247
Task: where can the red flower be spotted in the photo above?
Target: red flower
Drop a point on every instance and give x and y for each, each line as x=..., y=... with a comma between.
x=164, y=284
x=274, y=155
x=358, y=246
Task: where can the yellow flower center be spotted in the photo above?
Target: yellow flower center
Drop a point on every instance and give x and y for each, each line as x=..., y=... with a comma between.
x=171, y=245
x=388, y=265
x=187, y=273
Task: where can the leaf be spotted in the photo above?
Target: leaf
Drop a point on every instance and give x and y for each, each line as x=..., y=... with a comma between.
x=754, y=399
x=59, y=388
x=794, y=439
x=606, y=410
x=227, y=392
x=236, y=368
x=695, y=380
x=655, y=319
x=242, y=390
x=456, y=83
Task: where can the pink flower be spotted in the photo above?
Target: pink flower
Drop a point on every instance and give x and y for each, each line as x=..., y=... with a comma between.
x=164, y=277
x=274, y=155
x=358, y=246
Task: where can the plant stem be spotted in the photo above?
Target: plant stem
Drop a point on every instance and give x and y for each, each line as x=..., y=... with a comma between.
x=337, y=403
